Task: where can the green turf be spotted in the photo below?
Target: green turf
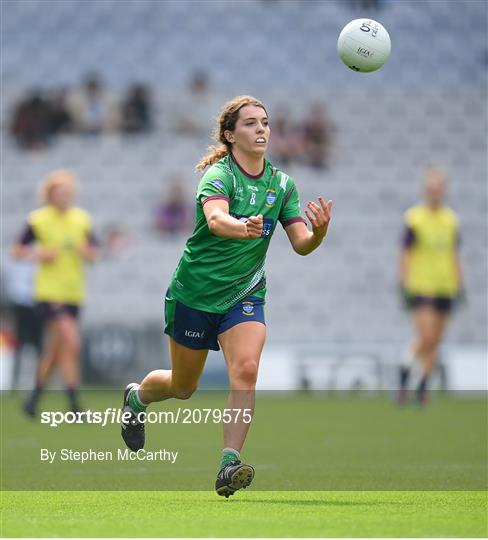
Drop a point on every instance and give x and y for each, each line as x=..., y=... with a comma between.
x=327, y=465
x=343, y=443
x=247, y=514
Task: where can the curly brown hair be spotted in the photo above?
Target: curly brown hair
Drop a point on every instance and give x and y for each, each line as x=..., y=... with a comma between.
x=226, y=121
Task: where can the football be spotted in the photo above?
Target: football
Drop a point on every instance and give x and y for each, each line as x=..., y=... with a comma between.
x=364, y=45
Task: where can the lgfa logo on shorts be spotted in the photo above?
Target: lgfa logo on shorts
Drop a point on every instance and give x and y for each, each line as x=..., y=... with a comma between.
x=247, y=309
x=270, y=198
x=193, y=334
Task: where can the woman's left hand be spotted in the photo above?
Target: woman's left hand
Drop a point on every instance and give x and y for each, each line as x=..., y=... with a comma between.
x=89, y=252
x=319, y=216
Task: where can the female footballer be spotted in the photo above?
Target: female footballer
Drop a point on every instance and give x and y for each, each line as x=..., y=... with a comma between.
x=217, y=293
x=58, y=237
x=430, y=275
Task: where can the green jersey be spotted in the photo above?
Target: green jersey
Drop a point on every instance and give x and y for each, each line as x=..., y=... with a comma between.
x=216, y=273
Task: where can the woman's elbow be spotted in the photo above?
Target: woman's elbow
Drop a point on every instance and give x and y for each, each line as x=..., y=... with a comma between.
x=212, y=225
x=300, y=250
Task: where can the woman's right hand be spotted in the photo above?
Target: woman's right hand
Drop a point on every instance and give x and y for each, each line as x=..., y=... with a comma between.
x=46, y=255
x=254, y=227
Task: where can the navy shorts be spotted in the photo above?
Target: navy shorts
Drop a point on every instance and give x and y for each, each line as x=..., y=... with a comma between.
x=197, y=329
x=442, y=304
x=50, y=310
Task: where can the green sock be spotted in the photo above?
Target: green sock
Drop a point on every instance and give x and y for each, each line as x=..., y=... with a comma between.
x=135, y=404
x=229, y=455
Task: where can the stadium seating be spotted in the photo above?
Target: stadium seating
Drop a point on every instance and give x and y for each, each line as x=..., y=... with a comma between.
x=147, y=40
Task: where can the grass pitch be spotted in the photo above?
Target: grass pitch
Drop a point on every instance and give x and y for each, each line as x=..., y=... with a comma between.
x=326, y=466
x=247, y=514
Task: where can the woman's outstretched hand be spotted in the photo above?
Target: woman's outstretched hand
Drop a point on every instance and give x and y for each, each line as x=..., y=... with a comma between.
x=319, y=216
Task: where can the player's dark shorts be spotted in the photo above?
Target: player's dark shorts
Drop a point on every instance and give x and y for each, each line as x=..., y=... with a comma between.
x=50, y=310
x=197, y=329
x=442, y=304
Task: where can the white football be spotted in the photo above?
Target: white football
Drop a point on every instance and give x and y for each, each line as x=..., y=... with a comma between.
x=364, y=45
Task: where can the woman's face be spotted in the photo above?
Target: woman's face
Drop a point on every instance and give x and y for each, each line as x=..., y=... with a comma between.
x=435, y=188
x=62, y=196
x=251, y=134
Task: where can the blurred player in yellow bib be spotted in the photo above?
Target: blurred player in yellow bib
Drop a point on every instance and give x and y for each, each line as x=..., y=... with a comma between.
x=430, y=276
x=59, y=238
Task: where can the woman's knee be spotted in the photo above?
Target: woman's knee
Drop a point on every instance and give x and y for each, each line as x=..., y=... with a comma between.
x=244, y=372
x=184, y=392
x=429, y=342
x=70, y=335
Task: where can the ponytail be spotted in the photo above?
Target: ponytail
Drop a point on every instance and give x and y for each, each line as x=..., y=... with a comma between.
x=214, y=153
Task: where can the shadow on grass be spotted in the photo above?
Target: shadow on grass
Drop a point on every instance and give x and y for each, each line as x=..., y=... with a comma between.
x=317, y=502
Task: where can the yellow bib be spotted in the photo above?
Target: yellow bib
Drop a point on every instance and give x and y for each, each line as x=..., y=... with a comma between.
x=62, y=280
x=432, y=269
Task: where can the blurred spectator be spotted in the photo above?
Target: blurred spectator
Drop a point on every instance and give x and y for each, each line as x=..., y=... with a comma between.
x=93, y=109
x=318, y=137
x=199, y=83
x=30, y=122
x=285, y=143
x=27, y=325
x=365, y=5
x=8, y=347
x=116, y=241
x=136, y=110
x=60, y=120
x=173, y=214
x=193, y=109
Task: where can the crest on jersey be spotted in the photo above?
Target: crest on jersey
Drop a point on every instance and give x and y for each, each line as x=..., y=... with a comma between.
x=217, y=184
x=270, y=198
x=247, y=308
